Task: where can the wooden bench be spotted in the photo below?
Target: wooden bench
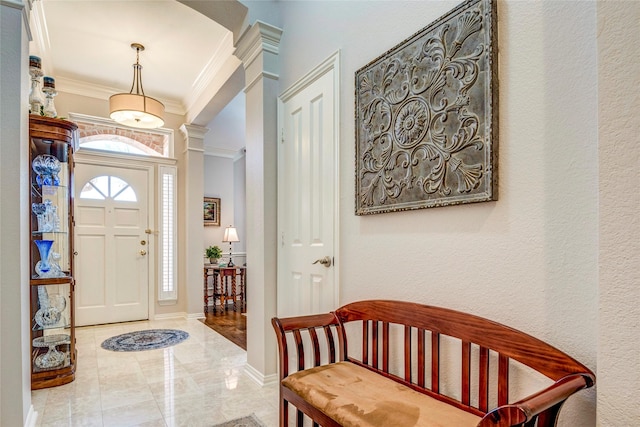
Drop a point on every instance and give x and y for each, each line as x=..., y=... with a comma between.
x=401, y=370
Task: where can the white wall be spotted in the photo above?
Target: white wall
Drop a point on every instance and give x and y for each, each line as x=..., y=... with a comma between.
x=227, y=129
x=218, y=182
x=224, y=172
x=528, y=260
x=619, y=155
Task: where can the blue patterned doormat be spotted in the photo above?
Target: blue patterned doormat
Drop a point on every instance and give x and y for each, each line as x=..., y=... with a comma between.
x=249, y=421
x=149, y=339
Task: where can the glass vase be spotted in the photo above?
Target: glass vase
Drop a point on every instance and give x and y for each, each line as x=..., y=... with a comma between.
x=40, y=209
x=43, y=266
x=47, y=168
x=48, y=314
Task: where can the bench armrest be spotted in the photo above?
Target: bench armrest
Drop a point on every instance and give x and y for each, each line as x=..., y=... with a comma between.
x=306, y=325
x=549, y=399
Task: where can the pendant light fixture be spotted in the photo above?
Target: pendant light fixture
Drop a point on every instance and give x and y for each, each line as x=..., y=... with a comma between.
x=135, y=109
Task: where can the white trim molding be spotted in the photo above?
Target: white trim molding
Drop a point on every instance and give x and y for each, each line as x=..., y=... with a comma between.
x=257, y=377
x=177, y=315
x=15, y=4
x=32, y=417
x=92, y=90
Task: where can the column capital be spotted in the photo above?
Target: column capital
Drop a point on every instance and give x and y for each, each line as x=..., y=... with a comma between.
x=259, y=39
x=193, y=137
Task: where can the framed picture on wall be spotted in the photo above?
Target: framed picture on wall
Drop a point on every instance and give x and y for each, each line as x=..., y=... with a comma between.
x=211, y=211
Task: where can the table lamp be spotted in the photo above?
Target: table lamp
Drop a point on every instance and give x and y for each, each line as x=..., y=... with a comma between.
x=230, y=235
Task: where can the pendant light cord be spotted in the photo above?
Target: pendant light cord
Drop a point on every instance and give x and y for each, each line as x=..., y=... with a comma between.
x=137, y=75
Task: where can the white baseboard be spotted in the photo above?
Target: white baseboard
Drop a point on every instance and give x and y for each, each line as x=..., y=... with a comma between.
x=258, y=377
x=32, y=417
x=181, y=315
x=195, y=316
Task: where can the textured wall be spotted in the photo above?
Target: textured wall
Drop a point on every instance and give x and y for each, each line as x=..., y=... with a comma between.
x=528, y=260
x=15, y=365
x=619, y=222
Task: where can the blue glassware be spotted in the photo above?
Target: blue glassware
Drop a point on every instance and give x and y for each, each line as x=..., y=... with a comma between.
x=44, y=247
x=47, y=168
x=39, y=208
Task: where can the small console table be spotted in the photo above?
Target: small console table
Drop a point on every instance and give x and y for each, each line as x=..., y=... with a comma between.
x=228, y=283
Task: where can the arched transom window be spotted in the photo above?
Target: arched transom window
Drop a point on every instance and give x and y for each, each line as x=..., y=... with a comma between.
x=108, y=187
x=98, y=134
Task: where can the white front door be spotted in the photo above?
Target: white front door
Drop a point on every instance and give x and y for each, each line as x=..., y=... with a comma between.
x=307, y=194
x=112, y=262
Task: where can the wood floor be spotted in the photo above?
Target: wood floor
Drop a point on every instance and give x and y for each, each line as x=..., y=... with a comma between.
x=230, y=324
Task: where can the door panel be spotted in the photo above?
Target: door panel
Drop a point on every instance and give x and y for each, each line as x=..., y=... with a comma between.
x=127, y=260
x=110, y=222
x=126, y=218
x=93, y=287
x=307, y=205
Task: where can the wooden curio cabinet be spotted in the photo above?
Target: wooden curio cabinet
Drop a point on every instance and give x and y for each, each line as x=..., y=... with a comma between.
x=53, y=352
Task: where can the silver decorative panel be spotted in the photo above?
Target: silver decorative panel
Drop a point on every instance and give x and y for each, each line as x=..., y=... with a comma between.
x=426, y=116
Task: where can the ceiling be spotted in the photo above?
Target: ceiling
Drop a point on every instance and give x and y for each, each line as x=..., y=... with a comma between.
x=188, y=61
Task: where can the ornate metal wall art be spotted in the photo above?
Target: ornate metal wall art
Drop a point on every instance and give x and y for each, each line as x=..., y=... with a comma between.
x=426, y=116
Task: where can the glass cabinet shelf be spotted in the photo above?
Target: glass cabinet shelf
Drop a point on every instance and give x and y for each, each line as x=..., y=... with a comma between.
x=67, y=325
x=48, y=189
x=53, y=351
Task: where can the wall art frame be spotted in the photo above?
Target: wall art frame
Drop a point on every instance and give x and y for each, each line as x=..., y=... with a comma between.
x=211, y=211
x=426, y=116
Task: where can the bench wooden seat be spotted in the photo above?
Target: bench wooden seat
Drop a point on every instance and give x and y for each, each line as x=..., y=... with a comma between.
x=397, y=373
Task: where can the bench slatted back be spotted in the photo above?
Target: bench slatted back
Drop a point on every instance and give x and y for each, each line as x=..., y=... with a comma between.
x=482, y=341
x=473, y=332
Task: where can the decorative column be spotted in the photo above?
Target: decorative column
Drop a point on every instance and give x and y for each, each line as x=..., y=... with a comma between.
x=258, y=50
x=191, y=184
x=15, y=332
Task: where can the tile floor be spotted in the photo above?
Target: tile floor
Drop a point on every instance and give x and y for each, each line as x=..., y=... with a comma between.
x=199, y=382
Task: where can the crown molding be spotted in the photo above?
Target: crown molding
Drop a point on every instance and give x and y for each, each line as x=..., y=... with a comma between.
x=224, y=153
x=240, y=154
x=211, y=69
x=41, y=37
x=14, y=4
x=77, y=87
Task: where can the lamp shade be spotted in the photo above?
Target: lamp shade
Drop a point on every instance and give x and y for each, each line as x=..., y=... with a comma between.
x=230, y=235
x=135, y=110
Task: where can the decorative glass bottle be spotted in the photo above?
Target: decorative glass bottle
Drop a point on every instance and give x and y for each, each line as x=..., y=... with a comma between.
x=49, y=90
x=35, y=96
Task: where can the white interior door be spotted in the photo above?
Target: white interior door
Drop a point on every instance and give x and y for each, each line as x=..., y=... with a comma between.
x=111, y=266
x=307, y=194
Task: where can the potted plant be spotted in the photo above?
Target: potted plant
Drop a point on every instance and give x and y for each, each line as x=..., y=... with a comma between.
x=213, y=253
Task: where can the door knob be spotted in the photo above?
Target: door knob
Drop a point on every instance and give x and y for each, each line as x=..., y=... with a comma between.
x=143, y=252
x=326, y=261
